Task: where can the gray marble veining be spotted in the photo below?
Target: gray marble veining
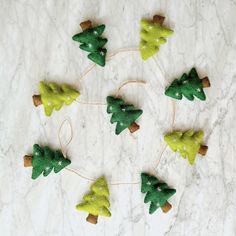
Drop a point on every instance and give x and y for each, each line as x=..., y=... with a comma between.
x=36, y=44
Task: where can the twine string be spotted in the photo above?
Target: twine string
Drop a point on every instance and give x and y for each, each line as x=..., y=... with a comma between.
x=112, y=183
x=129, y=82
x=64, y=148
x=90, y=68
x=99, y=103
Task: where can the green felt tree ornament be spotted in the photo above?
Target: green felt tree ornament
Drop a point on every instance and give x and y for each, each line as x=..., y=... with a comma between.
x=187, y=143
x=152, y=36
x=157, y=193
x=123, y=114
x=44, y=160
x=54, y=96
x=92, y=42
x=96, y=202
x=189, y=86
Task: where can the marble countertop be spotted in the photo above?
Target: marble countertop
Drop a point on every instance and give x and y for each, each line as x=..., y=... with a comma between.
x=36, y=45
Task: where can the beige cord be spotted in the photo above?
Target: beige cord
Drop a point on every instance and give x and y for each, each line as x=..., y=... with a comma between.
x=63, y=149
x=129, y=82
x=108, y=57
x=91, y=103
x=98, y=103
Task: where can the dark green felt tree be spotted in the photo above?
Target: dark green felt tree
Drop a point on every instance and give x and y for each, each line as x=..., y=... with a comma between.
x=123, y=114
x=92, y=42
x=189, y=86
x=157, y=193
x=44, y=160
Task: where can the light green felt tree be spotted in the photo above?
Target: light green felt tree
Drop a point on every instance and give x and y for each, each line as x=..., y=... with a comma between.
x=54, y=96
x=44, y=160
x=123, y=114
x=157, y=193
x=152, y=36
x=189, y=86
x=92, y=42
x=96, y=202
x=187, y=143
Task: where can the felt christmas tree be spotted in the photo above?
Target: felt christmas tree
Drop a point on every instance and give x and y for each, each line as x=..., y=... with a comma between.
x=187, y=143
x=54, y=96
x=124, y=114
x=92, y=42
x=152, y=36
x=96, y=202
x=44, y=160
x=189, y=86
x=157, y=193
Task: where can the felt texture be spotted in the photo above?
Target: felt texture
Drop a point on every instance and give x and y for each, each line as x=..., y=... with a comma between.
x=187, y=143
x=188, y=85
x=44, y=160
x=92, y=42
x=123, y=114
x=157, y=192
x=152, y=36
x=96, y=202
x=54, y=96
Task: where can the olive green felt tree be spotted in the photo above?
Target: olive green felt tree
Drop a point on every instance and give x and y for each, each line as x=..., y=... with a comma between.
x=157, y=193
x=92, y=42
x=187, y=143
x=44, y=160
x=152, y=36
x=124, y=114
x=189, y=86
x=54, y=96
x=96, y=202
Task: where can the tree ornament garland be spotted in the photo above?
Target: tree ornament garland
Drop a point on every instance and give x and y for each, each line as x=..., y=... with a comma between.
x=96, y=202
x=152, y=36
x=189, y=86
x=187, y=143
x=44, y=160
x=157, y=193
x=92, y=42
x=53, y=96
x=124, y=114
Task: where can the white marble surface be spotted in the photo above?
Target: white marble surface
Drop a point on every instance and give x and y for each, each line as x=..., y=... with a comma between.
x=35, y=44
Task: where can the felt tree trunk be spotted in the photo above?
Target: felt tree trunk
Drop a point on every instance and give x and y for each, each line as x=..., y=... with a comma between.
x=96, y=202
x=152, y=36
x=157, y=193
x=187, y=143
x=189, y=86
x=92, y=42
x=53, y=96
x=44, y=160
x=123, y=114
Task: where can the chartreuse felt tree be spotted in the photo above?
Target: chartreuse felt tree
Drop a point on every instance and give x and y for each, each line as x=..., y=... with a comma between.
x=152, y=36
x=187, y=143
x=96, y=202
x=54, y=96
x=44, y=160
x=157, y=193
x=123, y=114
x=92, y=42
x=189, y=85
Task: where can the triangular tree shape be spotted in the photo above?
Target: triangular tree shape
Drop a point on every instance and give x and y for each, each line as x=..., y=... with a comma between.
x=157, y=193
x=152, y=36
x=187, y=143
x=124, y=114
x=96, y=202
x=189, y=86
x=92, y=42
x=54, y=96
x=44, y=160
